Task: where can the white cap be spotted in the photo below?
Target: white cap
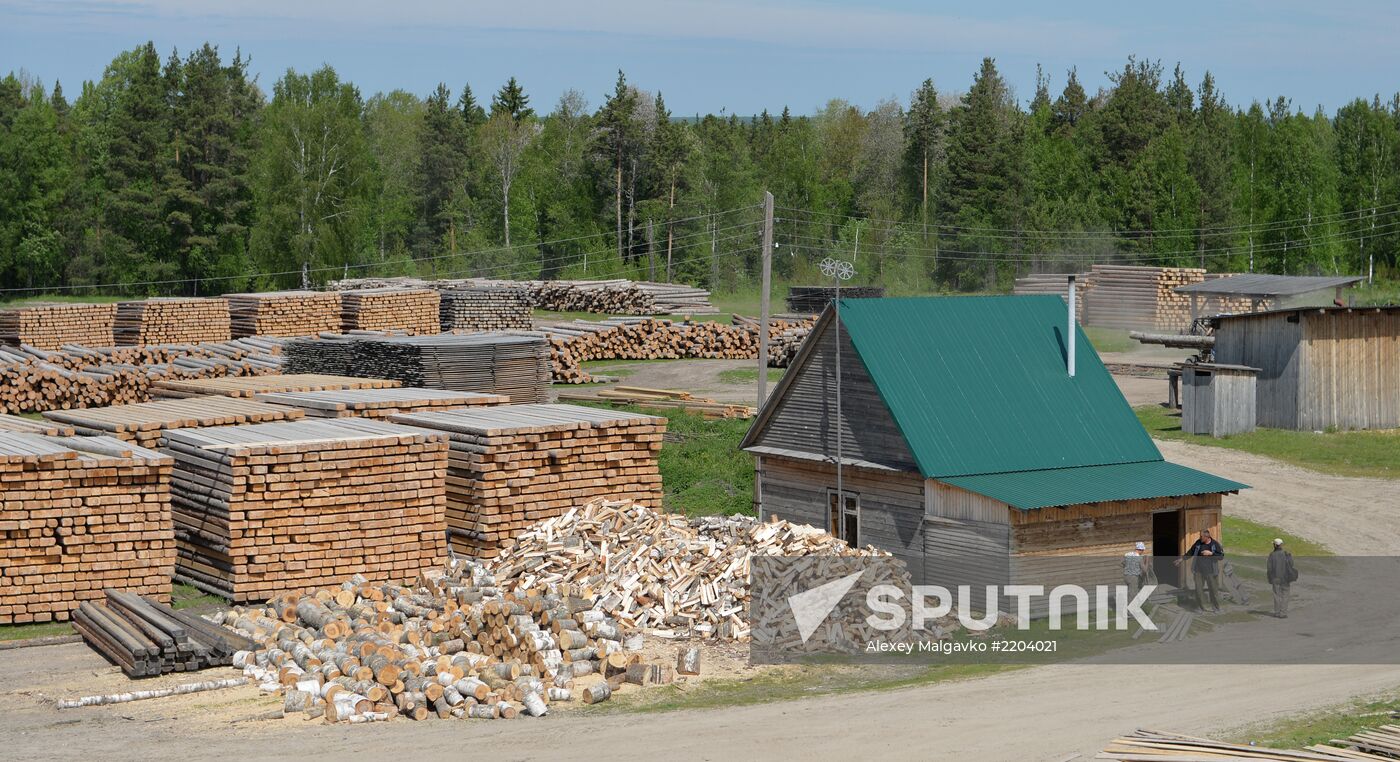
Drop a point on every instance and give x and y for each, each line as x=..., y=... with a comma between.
x=1141, y=546
x=1278, y=541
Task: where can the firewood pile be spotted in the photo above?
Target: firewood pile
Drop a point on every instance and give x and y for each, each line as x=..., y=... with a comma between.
x=411, y=311
x=171, y=321
x=378, y=403
x=1381, y=744
x=659, y=571
x=514, y=465
x=484, y=308
x=452, y=645
x=811, y=300
x=265, y=507
x=81, y=514
x=251, y=386
x=284, y=313
x=50, y=326
x=610, y=297
x=145, y=423
x=147, y=638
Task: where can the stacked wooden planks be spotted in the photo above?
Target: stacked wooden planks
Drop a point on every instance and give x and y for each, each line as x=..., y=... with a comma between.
x=1140, y=298
x=50, y=326
x=268, y=507
x=613, y=297
x=411, y=311
x=484, y=308
x=513, y=465
x=284, y=313
x=80, y=514
x=147, y=638
x=811, y=300
x=663, y=399
x=250, y=386
x=172, y=321
x=1057, y=284
x=145, y=423
x=1148, y=745
x=378, y=403
x=15, y=424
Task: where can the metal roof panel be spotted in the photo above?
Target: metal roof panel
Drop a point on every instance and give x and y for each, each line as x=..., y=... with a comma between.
x=1028, y=490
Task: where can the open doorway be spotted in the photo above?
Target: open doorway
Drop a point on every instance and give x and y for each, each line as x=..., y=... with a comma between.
x=1166, y=546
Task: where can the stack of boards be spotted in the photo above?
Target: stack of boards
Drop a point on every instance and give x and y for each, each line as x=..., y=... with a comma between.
x=485, y=308
x=80, y=514
x=411, y=311
x=250, y=386
x=172, y=321
x=50, y=326
x=376, y=403
x=514, y=465
x=17, y=425
x=271, y=507
x=284, y=313
x=143, y=424
x=147, y=638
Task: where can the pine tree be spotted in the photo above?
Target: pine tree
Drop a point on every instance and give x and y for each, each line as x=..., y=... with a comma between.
x=473, y=115
x=1071, y=106
x=136, y=241
x=670, y=150
x=1210, y=155
x=616, y=142
x=512, y=101
x=924, y=134
x=442, y=173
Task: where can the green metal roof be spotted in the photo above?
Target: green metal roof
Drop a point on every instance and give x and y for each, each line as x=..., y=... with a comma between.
x=1091, y=484
x=978, y=385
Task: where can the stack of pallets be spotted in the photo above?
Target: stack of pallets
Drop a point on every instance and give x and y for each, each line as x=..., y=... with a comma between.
x=144, y=423
x=271, y=507
x=172, y=321
x=147, y=638
x=377, y=403
x=50, y=326
x=249, y=386
x=284, y=313
x=517, y=464
x=411, y=311
x=80, y=514
x=485, y=308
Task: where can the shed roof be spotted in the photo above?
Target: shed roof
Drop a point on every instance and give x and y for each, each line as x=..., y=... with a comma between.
x=1262, y=286
x=1094, y=484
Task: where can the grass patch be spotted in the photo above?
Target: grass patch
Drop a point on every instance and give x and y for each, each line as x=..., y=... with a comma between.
x=1378, y=294
x=748, y=375
x=1109, y=339
x=1321, y=727
x=65, y=299
x=28, y=631
x=1373, y=454
x=184, y=596
x=1244, y=537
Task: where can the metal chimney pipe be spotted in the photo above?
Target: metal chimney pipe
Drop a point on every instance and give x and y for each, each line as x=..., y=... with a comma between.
x=1070, y=341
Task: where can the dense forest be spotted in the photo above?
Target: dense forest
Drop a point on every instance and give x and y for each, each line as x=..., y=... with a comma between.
x=184, y=175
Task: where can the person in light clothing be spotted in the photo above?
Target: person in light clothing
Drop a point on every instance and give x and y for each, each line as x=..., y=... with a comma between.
x=1282, y=575
x=1136, y=569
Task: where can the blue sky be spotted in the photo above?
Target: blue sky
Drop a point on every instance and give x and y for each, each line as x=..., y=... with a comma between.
x=737, y=55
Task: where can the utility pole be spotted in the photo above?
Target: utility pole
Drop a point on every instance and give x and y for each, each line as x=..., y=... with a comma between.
x=651, y=253
x=838, y=271
x=763, y=297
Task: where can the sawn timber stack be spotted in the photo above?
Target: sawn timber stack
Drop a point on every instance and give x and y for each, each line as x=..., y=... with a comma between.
x=248, y=386
x=50, y=326
x=171, y=321
x=485, y=308
x=513, y=465
x=412, y=311
x=378, y=403
x=144, y=423
x=268, y=507
x=147, y=638
x=284, y=313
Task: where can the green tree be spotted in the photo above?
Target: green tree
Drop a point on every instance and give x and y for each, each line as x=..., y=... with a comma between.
x=442, y=176
x=393, y=128
x=924, y=134
x=617, y=141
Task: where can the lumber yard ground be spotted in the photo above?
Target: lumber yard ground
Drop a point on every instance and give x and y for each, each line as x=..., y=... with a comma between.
x=1038, y=713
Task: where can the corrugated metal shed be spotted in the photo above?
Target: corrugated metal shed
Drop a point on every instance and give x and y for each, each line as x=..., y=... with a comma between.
x=1028, y=490
x=1259, y=285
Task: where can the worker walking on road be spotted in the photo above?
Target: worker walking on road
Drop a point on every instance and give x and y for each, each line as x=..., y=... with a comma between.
x=1205, y=554
x=1135, y=569
x=1282, y=575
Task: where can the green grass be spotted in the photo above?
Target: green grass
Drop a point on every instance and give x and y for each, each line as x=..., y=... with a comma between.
x=1109, y=339
x=748, y=375
x=1321, y=727
x=1380, y=293
x=28, y=631
x=65, y=299
x=1244, y=537
x=1343, y=453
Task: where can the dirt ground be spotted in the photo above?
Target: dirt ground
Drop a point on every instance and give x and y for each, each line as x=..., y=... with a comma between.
x=700, y=377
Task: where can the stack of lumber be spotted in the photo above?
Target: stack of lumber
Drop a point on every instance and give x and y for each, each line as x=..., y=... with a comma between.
x=656, y=570
x=411, y=311
x=677, y=298
x=493, y=363
x=610, y=297
x=15, y=424
x=513, y=465
x=484, y=308
x=1149, y=745
x=144, y=423
x=80, y=514
x=811, y=300
x=451, y=645
x=251, y=386
x=172, y=321
x=1057, y=284
x=50, y=326
x=1145, y=298
x=378, y=403
x=284, y=313
x=664, y=399
x=147, y=638
x=268, y=507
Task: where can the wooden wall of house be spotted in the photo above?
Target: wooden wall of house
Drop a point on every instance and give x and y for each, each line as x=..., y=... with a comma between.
x=1272, y=344
x=805, y=418
x=1351, y=370
x=967, y=539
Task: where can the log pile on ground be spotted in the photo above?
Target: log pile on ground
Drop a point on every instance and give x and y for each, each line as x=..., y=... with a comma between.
x=145, y=423
x=263, y=508
x=609, y=297
x=1134, y=297
x=284, y=313
x=492, y=363
x=171, y=321
x=1057, y=284
x=811, y=300
x=411, y=311
x=251, y=386
x=378, y=403
x=484, y=308
x=80, y=514
x=50, y=326
x=514, y=465
x=655, y=570
x=451, y=646
x=147, y=638
x=1381, y=744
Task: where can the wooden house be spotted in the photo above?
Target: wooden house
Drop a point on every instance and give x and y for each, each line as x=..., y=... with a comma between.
x=967, y=447
x=1319, y=367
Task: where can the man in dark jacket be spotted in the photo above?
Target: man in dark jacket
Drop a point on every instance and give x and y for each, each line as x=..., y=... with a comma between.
x=1282, y=575
x=1205, y=553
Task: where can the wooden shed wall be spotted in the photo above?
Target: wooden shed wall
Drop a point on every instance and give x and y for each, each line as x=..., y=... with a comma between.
x=1273, y=345
x=1351, y=370
x=1217, y=401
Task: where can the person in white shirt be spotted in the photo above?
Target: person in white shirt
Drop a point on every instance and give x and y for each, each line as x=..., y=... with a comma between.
x=1136, y=569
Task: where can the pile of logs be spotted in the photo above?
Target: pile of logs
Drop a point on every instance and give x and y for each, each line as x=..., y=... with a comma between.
x=610, y=297
x=484, y=308
x=377, y=403
x=145, y=423
x=664, y=399
x=50, y=326
x=81, y=514
x=411, y=311
x=1381, y=744
x=1134, y=297
x=658, y=570
x=251, y=386
x=171, y=321
x=269, y=507
x=514, y=465
x=1057, y=284
x=284, y=313
x=811, y=300
x=147, y=638
x=451, y=646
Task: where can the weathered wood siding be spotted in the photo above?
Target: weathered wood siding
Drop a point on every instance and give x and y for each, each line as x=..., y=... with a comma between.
x=963, y=552
x=1351, y=370
x=1272, y=344
x=805, y=418
x=1217, y=401
x=949, y=502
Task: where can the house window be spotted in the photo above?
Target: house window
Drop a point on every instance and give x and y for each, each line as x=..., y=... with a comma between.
x=844, y=516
